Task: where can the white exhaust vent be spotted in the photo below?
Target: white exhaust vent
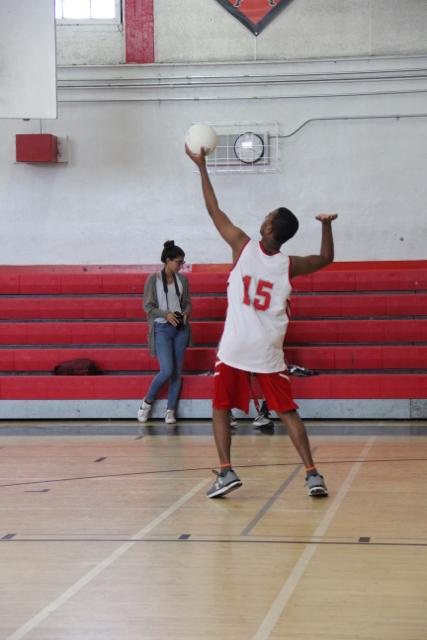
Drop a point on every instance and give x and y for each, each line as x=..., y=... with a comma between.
x=245, y=148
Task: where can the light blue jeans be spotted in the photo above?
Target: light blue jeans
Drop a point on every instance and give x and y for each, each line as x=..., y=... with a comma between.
x=170, y=344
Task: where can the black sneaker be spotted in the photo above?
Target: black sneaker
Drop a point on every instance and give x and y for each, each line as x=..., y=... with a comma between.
x=300, y=372
x=225, y=482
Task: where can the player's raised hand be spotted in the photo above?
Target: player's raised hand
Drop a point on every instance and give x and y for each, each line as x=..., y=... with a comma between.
x=197, y=158
x=326, y=217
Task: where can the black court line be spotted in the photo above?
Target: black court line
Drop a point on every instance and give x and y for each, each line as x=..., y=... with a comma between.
x=261, y=513
x=244, y=540
x=266, y=465
x=37, y=491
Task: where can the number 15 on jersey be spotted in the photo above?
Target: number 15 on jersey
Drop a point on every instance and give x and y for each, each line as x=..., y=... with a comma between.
x=262, y=297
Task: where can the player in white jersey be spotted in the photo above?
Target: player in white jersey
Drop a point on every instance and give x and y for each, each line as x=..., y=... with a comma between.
x=259, y=286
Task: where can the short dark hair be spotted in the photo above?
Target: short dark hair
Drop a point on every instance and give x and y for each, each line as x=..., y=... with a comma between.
x=171, y=251
x=284, y=224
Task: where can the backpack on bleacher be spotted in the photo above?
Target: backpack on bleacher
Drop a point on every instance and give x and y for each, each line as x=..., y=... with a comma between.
x=77, y=367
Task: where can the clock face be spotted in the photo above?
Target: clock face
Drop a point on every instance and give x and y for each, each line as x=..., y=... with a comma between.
x=249, y=147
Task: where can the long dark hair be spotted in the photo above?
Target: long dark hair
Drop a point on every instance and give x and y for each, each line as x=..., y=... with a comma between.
x=171, y=251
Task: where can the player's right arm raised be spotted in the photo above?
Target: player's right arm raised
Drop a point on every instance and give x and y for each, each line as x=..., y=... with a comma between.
x=234, y=236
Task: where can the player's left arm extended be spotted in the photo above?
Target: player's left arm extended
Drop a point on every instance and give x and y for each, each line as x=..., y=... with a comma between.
x=309, y=264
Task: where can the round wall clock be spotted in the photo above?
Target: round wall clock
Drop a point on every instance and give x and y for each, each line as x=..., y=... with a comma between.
x=249, y=147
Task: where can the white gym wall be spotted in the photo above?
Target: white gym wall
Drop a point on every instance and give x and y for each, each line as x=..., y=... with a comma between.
x=128, y=186
x=27, y=59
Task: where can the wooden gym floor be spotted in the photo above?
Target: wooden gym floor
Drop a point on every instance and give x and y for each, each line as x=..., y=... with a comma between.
x=112, y=537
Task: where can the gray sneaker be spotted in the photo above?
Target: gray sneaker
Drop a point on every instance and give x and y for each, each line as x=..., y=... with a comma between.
x=233, y=420
x=316, y=485
x=262, y=421
x=223, y=484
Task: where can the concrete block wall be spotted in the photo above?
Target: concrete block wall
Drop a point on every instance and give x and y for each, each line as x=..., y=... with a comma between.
x=352, y=134
x=195, y=31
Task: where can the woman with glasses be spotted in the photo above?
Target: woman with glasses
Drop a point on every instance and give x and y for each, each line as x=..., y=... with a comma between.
x=167, y=304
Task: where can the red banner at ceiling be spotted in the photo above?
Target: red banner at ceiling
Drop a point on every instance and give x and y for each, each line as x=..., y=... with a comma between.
x=254, y=14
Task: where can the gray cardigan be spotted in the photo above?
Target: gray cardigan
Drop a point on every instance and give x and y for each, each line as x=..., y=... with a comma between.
x=151, y=305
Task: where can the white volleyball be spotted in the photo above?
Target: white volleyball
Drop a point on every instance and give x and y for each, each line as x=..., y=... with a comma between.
x=201, y=135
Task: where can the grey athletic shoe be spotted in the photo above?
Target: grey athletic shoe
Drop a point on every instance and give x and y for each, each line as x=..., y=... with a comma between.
x=233, y=420
x=262, y=421
x=316, y=485
x=224, y=483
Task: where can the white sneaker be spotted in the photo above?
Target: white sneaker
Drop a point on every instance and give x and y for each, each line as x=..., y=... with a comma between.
x=170, y=417
x=262, y=421
x=233, y=419
x=143, y=412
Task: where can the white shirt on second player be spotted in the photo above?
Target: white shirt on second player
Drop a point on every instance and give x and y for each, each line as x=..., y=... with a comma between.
x=257, y=318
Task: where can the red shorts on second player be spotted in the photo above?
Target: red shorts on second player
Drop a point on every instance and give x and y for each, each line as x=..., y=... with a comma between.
x=232, y=389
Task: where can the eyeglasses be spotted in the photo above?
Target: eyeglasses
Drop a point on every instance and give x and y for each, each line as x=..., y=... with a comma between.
x=179, y=261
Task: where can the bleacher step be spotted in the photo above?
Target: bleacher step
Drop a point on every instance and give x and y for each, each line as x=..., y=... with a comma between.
x=363, y=325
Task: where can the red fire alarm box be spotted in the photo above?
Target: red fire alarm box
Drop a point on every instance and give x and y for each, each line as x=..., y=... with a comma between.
x=36, y=147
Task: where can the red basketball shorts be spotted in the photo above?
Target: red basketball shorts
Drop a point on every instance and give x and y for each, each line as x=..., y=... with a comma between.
x=232, y=389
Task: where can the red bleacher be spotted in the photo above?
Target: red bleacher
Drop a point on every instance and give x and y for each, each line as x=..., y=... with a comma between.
x=362, y=326
x=373, y=305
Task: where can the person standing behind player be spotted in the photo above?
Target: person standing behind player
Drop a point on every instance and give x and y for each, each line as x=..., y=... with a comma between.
x=167, y=303
x=255, y=327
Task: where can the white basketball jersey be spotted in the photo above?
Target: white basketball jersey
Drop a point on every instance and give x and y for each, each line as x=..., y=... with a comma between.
x=257, y=318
